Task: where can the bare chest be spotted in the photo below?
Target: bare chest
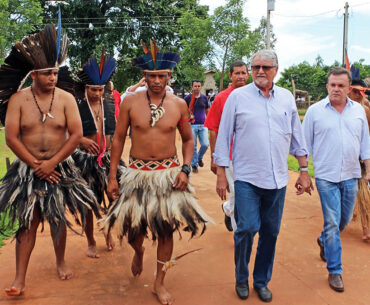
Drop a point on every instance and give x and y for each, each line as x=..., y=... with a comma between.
x=35, y=116
x=141, y=115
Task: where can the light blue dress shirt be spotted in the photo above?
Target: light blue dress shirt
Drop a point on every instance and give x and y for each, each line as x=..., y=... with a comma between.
x=265, y=131
x=337, y=141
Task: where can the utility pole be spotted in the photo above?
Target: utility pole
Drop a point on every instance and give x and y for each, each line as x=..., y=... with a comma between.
x=345, y=33
x=270, y=7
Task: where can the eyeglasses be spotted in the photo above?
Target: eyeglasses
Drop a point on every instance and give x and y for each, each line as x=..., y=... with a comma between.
x=265, y=68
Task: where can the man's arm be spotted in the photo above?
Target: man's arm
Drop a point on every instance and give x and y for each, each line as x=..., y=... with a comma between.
x=186, y=133
x=12, y=130
x=365, y=146
x=304, y=182
x=139, y=84
x=118, y=143
x=223, y=142
x=212, y=144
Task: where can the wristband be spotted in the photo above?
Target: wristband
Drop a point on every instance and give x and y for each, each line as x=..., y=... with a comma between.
x=303, y=169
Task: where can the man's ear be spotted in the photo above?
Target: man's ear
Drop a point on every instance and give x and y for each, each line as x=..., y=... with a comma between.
x=169, y=74
x=33, y=74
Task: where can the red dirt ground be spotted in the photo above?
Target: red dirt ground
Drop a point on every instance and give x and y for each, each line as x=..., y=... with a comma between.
x=205, y=277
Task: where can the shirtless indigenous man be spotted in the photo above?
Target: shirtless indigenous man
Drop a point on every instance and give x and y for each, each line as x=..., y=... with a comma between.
x=154, y=191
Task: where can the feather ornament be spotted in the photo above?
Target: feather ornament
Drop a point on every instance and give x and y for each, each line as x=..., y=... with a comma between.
x=91, y=74
x=148, y=200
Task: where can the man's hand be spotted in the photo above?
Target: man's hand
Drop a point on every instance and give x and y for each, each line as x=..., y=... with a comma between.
x=213, y=167
x=304, y=184
x=112, y=189
x=181, y=182
x=90, y=145
x=222, y=185
x=142, y=82
x=45, y=169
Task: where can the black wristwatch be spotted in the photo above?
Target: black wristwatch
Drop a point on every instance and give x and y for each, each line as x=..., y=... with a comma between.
x=186, y=169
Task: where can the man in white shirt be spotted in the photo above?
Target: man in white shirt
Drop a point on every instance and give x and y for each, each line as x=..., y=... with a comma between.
x=337, y=134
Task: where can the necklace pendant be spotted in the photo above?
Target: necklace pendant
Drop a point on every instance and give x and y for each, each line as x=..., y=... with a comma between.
x=43, y=119
x=50, y=115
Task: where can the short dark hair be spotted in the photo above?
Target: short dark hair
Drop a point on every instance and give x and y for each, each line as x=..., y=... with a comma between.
x=195, y=81
x=359, y=82
x=237, y=63
x=340, y=71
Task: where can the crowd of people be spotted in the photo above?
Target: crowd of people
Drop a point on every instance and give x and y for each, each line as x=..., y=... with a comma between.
x=69, y=147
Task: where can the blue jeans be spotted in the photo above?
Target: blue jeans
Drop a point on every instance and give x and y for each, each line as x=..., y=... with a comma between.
x=201, y=132
x=337, y=203
x=256, y=210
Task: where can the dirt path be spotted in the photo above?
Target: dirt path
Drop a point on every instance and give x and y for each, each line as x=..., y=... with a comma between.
x=205, y=277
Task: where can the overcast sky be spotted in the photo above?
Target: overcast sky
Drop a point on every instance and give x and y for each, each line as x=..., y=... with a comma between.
x=307, y=28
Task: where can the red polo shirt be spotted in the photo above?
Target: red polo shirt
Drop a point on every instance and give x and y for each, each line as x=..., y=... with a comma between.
x=214, y=115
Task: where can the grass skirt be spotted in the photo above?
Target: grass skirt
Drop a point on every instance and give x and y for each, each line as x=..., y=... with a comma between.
x=21, y=192
x=95, y=175
x=363, y=200
x=147, y=199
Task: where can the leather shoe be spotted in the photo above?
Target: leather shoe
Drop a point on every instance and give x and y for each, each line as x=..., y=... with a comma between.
x=242, y=290
x=227, y=220
x=322, y=251
x=264, y=294
x=336, y=282
x=200, y=163
x=195, y=169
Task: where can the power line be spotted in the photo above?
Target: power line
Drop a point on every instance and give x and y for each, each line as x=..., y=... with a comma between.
x=319, y=14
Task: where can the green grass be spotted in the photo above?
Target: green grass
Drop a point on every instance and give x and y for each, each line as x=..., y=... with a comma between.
x=5, y=152
x=302, y=111
x=293, y=165
x=5, y=230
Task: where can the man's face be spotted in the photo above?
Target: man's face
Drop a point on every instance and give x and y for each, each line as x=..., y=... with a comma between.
x=239, y=76
x=157, y=81
x=196, y=87
x=45, y=80
x=338, y=87
x=263, y=72
x=355, y=95
x=94, y=93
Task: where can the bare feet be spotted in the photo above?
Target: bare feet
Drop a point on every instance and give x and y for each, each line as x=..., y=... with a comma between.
x=109, y=241
x=64, y=272
x=366, y=234
x=17, y=289
x=137, y=262
x=92, y=252
x=162, y=294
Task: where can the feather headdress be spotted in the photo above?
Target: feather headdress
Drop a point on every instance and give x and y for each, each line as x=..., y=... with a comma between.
x=96, y=74
x=44, y=50
x=154, y=61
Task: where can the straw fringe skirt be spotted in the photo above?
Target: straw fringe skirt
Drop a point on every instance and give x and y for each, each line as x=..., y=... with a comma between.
x=95, y=175
x=363, y=200
x=147, y=199
x=21, y=192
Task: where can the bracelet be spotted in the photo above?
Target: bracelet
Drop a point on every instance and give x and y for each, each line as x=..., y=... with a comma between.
x=303, y=169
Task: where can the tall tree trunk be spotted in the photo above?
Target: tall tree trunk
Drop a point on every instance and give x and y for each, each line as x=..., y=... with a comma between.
x=223, y=67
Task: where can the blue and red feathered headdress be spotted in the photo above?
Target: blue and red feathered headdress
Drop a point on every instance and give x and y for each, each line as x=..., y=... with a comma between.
x=95, y=74
x=154, y=61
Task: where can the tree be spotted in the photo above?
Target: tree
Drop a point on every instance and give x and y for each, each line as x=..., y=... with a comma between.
x=262, y=30
x=306, y=77
x=17, y=19
x=119, y=25
x=195, y=47
x=231, y=35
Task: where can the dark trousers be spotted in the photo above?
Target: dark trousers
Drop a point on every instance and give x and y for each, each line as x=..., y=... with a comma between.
x=256, y=210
